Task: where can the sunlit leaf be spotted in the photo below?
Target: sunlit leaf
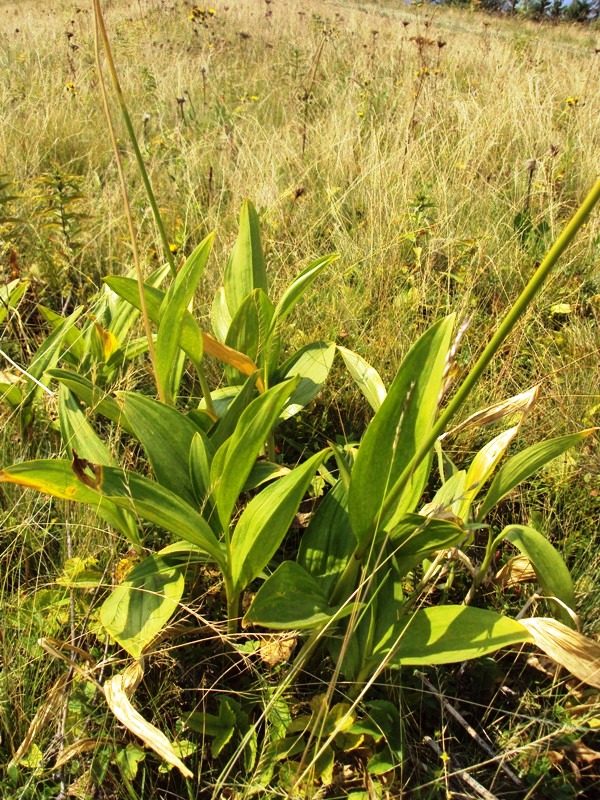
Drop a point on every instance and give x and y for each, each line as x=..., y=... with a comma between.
x=450, y=634
x=365, y=376
x=526, y=463
x=172, y=309
x=395, y=432
x=552, y=572
x=139, y=608
x=245, y=270
x=290, y=600
x=265, y=521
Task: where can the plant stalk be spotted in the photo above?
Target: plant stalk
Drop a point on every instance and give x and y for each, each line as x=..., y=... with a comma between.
x=101, y=30
x=129, y=125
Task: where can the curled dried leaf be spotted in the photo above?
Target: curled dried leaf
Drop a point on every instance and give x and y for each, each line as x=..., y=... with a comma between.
x=276, y=649
x=519, y=404
x=118, y=691
x=577, y=653
x=516, y=570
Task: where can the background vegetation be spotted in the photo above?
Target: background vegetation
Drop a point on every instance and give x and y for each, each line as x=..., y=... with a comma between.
x=439, y=152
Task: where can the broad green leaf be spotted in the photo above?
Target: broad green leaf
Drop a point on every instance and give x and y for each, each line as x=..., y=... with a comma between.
x=365, y=376
x=95, y=398
x=263, y=472
x=219, y=316
x=290, y=599
x=266, y=520
x=139, y=608
x=11, y=392
x=248, y=329
x=298, y=287
x=329, y=541
x=450, y=634
x=172, y=309
x=526, y=463
x=155, y=503
x=552, y=572
x=122, y=315
x=449, y=497
x=482, y=466
x=55, y=477
x=245, y=270
x=74, y=339
x=201, y=454
x=395, y=432
x=128, y=352
x=312, y=365
x=10, y=294
x=229, y=415
x=416, y=537
x=166, y=436
x=77, y=433
x=235, y=458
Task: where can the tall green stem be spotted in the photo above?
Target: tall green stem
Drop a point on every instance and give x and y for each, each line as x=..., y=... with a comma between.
x=134, y=143
x=150, y=194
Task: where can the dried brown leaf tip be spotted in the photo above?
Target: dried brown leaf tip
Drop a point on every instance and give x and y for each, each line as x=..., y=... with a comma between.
x=577, y=653
x=516, y=570
x=277, y=650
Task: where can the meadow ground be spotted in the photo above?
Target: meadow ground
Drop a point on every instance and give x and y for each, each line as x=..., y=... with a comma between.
x=439, y=152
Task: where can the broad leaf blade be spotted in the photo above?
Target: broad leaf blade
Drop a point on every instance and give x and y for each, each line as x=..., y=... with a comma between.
x=155, y=503
x=290, y=599
x=394, y=434
x=328, y=542
x=482, y=466
x=139, y=608
x=55, y=477
x=552, y=572
x=235, y=458
x=172, y=309
x=266, y=520
x=95, y=398
x=526, y=463
x=245, y=270
x=365, y=376
x=166, y=435
x=311, y=365
x=248, y=329
x=76, y=431
x=450, y=634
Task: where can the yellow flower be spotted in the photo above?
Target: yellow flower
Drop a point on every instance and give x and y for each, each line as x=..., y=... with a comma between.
x=174, y=248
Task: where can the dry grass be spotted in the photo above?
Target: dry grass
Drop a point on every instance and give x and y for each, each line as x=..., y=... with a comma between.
x=419, y=126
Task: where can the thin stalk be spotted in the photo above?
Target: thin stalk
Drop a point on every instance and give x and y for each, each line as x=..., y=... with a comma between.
x=129, y=125
x=99, y=30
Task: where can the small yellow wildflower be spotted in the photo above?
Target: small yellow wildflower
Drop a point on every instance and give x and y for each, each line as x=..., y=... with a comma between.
x=174, y=248
x=70, y=88
x=572, y=101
